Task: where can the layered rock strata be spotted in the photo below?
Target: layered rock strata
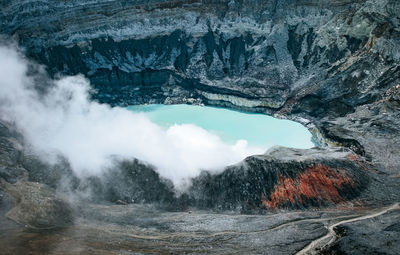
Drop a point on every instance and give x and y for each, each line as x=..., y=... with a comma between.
x=329, y=62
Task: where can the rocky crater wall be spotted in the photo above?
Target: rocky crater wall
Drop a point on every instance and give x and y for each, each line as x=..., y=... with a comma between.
x=322, y=61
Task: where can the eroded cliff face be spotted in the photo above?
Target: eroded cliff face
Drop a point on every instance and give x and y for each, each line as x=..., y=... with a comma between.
x=329, y=63
x=245, y=54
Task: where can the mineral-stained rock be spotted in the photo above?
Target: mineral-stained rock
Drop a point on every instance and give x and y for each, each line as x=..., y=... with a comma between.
x=283, y=177
x=320, y=182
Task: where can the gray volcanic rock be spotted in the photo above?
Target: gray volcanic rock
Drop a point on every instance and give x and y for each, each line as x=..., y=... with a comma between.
x=6, y=204
x=19, y=162
x=11, y=151
x=283, y=178
x=129, y=182
x=375, y=126
x=377, y=236
x=143, y=229
x=10, y=155
x=37, y=206
x=29, y=203
x=139, y=229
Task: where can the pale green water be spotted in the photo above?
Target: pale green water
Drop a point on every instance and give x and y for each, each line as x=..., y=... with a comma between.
x=258, y=129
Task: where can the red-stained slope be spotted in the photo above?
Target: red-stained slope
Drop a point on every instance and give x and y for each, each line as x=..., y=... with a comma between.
x=318, y=182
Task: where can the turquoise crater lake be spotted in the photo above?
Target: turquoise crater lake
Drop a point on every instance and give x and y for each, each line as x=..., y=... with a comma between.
x=257, y=129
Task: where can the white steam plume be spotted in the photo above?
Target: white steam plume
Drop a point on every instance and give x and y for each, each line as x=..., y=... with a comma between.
x=63, y=120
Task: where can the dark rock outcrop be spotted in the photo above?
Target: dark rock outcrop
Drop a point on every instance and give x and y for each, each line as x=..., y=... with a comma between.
x=129, y=182
x=283, y=178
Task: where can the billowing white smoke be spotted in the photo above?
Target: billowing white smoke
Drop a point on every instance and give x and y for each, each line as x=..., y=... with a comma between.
x=87, y=133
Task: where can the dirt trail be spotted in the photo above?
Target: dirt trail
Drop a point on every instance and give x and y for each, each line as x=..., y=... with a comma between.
x=331, y=235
